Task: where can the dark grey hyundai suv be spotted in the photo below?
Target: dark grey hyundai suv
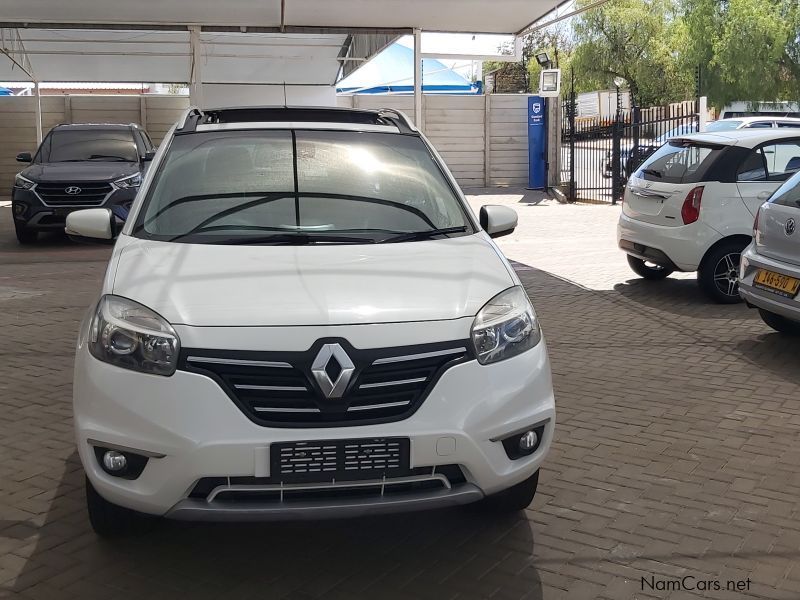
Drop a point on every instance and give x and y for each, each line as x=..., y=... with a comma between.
x=78, y=166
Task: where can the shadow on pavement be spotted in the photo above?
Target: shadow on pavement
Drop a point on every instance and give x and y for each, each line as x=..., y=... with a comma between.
x=431, y=555
x=775, y=353
x=681, y=297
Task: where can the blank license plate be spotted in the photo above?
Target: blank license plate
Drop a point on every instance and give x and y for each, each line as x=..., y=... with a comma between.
x=783, y=285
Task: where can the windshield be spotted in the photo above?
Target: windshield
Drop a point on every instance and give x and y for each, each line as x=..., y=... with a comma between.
x=299, y=187
x=100, y=145
x=725, y=125
x=679, y=161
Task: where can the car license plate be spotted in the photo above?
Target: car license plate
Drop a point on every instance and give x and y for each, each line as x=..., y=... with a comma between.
x=327, y=460
x=783, y=285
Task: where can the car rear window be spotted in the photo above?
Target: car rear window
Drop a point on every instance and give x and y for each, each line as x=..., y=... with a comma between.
x=96, y=145
x=222, y=186
x=679, y=161
x=789, y=193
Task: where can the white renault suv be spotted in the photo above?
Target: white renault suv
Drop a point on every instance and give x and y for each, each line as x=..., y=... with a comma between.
x=302, y=318
x=690, y=206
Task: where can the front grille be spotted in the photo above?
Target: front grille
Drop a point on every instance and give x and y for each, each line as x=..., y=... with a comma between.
x=55, y=193
x=278, y=389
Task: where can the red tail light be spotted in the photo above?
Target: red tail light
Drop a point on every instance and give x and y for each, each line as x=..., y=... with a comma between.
x=690, y=211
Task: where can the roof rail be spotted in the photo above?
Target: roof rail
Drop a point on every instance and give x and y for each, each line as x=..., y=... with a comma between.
x=188, y=121
x=405, y=125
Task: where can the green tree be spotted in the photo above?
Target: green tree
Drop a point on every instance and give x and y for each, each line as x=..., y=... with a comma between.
x=747, y=49
x=638, y=40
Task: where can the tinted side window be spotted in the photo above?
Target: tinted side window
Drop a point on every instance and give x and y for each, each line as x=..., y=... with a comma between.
x=789, y=193
x=759, y=125
x=753, y=168
x=785, y=124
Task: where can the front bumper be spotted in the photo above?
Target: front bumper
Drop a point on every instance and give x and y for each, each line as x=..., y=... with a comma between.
x=679, y=248
x=195, y=431
x=751, y=262
x=31, y=213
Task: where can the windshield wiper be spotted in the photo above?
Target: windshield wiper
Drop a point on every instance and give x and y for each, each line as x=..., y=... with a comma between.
x=652, y=172
x=295, y=239
x=281, y=236
x=422, y=235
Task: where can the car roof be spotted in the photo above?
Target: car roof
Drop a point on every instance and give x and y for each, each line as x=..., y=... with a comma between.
x=747, y=138
x=746, y=120
x=295, y=117
x=88, y=126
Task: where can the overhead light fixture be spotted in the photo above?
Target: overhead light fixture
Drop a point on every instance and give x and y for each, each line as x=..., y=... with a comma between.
x=543, y=59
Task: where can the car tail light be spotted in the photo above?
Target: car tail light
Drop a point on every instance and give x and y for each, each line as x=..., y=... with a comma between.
x=690, y=211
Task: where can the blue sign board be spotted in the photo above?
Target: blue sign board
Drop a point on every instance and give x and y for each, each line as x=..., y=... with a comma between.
x=537, y=143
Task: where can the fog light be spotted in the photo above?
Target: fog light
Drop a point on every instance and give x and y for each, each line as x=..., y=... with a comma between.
x=528, y=441
x=114, y=461
x=524, y=443
x=19, y=209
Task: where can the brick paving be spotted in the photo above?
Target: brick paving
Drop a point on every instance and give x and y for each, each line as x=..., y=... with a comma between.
x=677, y=453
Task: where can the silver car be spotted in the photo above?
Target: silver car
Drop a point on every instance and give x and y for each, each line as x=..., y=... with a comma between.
x=770, y=265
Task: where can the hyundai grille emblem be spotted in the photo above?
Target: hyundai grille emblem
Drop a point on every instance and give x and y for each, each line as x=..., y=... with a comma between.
x=332, y=387
x=790, y=227
x=72, y=190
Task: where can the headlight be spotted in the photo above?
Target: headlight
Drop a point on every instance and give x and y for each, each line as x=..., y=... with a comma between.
x=131, y=336
x=21, y=182
x=130, y=181
x=505, y=326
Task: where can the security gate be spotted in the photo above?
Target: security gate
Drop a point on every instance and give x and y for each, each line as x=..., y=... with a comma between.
x=599, y=153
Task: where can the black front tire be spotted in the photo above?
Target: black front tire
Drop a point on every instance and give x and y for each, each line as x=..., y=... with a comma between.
x=718, y=276
x=645, y=270
x=25, y=236
x=779, y=323
x=515, y=498
x=109, y=520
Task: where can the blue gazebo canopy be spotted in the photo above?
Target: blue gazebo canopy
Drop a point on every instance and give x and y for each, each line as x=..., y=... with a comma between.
x=5, y=91
x=392, y=72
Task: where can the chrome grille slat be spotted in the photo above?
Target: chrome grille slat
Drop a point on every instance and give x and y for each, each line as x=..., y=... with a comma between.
x=365, y=386
x=53, y=193
x=378, y=406
x=238, y=361
x=409, y=357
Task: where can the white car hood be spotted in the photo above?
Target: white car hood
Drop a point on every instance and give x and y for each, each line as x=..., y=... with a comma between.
x=218, y=285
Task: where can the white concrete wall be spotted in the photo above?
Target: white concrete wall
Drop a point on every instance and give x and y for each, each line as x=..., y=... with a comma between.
x=458, y=126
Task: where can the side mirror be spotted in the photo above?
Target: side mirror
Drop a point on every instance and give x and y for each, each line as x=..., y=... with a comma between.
x=148, y=156
x=24, y=157
x=92, y=225
x=498, y=220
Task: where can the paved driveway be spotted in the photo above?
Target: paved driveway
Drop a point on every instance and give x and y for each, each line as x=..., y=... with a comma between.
x=677, y=454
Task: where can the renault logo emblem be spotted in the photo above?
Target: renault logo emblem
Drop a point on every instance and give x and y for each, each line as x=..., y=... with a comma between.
x=72, y=190
x=790, y=227
x=332, y=369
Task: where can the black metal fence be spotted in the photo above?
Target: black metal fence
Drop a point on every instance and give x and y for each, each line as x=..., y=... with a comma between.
x=599, y=153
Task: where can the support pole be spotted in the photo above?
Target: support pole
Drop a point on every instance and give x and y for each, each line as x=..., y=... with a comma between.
x=418, y=120
x=38, y=108
x=702, y=109
x=196, y=74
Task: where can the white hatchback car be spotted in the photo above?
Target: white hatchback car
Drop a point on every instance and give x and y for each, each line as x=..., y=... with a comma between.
x=690, y=206
x=302, y=318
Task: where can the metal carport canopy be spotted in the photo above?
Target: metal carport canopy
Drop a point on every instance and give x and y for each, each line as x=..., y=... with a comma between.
x=468, y=16
x=296, y=42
